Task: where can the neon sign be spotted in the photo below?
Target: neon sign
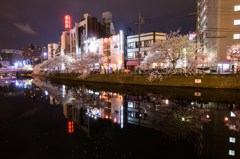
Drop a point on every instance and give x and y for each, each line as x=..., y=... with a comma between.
x=67, y=22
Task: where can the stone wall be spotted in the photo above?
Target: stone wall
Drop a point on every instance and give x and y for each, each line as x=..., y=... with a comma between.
x=227, y=81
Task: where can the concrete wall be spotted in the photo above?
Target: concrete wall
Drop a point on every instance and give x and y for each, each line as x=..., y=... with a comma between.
x=231, y=81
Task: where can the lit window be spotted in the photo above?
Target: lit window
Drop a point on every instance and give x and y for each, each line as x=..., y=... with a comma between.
x=232, y=152
x=232, y=139
x=130, y=55
x=236, y=22
x=130, y=104
x=237, y=8
x=236, y=36
x=232, y=114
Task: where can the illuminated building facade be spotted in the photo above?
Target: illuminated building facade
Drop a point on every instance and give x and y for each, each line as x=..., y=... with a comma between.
x=35, y=54
x=72, y=40
x=133, y=47
x=219, y=27
x=113, y=48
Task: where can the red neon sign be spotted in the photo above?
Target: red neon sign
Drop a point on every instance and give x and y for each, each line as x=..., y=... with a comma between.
x=70, y=127
x=67, y=22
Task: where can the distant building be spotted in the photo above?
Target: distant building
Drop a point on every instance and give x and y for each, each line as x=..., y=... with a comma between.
x=146, y=39
x=11, y=55
x=35, y=54
x=219, y=27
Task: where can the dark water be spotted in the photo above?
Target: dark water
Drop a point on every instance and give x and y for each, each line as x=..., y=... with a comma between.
x=64, y=119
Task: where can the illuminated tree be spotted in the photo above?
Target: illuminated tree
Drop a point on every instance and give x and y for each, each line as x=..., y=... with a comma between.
x=175, y=50
x=234, y=122
x=88, y=64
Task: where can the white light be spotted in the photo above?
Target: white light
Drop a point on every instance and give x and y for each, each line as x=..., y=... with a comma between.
x=232, y=114
x=236, y=22
x=236, y=36
x=183, y=119
x=232, y=152
x=237, y=8
x=232, y=139
x=95, y=117
x=167, y=101
x=46, y=93
x=121, y=42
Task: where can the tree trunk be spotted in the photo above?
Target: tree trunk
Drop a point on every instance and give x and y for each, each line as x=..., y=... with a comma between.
x=174, y=65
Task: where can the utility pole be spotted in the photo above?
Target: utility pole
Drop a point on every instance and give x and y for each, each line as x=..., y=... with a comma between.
x=140, y=21
x=108, y=58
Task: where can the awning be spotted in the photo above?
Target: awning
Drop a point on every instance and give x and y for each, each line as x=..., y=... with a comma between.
x=132, y=63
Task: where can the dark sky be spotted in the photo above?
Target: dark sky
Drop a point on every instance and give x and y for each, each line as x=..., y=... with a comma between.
x=40, y=22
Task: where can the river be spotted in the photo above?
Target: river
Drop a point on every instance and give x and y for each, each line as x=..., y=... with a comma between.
x=44, y=118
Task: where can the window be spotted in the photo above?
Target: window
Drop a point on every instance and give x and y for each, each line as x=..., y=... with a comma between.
x=130, y=55
x=130, y=104
x=232, y=152
x=232, y=139
x=236, y=36
x=130, y=45
x=237, y=22
x=237, y=8
x=147, y=43
x=138, y=45
x=137, y=54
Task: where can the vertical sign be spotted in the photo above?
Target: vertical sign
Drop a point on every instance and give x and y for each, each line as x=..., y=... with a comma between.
x=70, y=127
x=67, y=22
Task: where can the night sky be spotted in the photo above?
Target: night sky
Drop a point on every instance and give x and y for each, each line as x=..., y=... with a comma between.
x=41, y=22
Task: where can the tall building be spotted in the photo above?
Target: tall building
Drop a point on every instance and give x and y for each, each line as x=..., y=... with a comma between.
x=72, y=40
x=35, y=54
x=52, y=50
x=11, y=55
x=219, y=27
x=146, y=39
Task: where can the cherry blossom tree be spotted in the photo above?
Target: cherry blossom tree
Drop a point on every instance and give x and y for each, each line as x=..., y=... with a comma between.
x=176, y=55
x=233, y=123
x=88, y=64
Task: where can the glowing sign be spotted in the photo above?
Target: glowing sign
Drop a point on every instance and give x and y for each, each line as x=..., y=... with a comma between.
x=67, y=22
x=70, y=127
x=192, y=36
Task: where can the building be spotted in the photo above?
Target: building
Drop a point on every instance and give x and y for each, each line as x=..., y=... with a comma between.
x=72, y=40
x=11, y=55
x=34, y=54
x=114, y=49
x=218, y=27
x=53, y=50
x=145, y=40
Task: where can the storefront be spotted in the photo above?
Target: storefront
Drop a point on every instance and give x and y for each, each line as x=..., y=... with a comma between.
x=131, y=66
x=223, y=67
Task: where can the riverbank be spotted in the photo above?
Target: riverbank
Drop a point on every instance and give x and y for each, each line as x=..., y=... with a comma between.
x=230, y=81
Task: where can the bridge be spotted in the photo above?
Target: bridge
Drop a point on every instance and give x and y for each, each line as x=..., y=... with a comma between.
x=17, y=73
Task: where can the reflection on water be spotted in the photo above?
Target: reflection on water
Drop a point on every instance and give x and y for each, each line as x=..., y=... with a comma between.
x=116, y=122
